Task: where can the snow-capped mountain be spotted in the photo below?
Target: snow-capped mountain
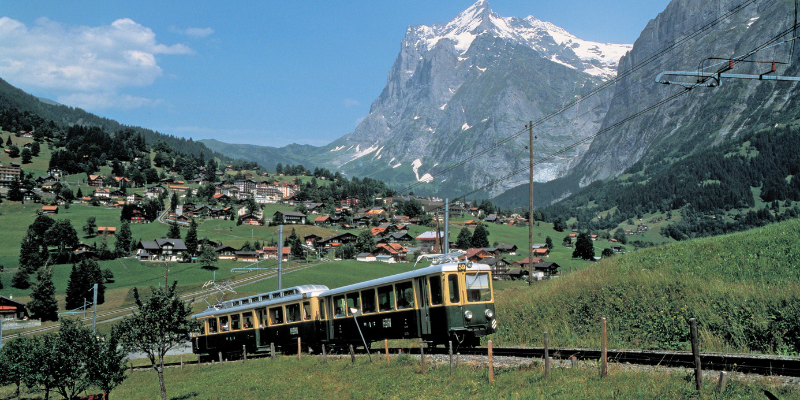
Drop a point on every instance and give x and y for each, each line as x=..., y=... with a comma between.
x=553, y=42
x=464, y=87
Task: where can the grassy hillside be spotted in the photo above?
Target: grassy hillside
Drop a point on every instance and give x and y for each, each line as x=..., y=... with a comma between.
x=744, y=290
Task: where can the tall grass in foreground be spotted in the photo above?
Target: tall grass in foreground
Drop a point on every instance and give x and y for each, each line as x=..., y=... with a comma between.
x=744, y=290
x=310, y=378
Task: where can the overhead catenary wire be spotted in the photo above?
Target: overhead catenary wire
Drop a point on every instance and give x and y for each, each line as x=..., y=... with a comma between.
x=653, y=57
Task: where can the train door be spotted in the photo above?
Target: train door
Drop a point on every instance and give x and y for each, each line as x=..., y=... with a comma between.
x=424, y=306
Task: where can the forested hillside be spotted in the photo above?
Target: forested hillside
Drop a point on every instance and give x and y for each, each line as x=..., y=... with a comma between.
x=744, y=183
x=35, y=110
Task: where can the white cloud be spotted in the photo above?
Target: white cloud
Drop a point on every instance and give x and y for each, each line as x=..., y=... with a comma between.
x=198, y=33
x=103, y=100
x=351, y=103
x=88, y=64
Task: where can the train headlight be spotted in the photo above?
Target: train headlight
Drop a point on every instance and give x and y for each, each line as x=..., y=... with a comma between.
x=468, y=315
x=489, y=314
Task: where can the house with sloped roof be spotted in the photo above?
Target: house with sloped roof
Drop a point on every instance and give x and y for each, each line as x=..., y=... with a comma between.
x=160, y=250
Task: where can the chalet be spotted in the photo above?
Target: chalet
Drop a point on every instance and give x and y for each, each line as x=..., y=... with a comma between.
x=541, y=252
x=49, y=185
x=617, y=249
x=101, y=194
x=177, y=188
x=314, y=208
x=428, y=239
x=397, y=238
x=183, y=220
x=220, y=213
x=377, y=231
x=350, y=202
x=50, y=210
x=322, y=220
x=366, y=257
x=510, y=249
x=311, y=240
x=222, y=198
x=106, y=230
x=476, y=255
x=492, y=218
x=116, y=194
x=361, y=221
x=95, y=180
x=337, y=240
x=250, y=219
x=375, y=212
x=289, y=217
x=121, y=179
x=390, y=253
x=547, y=269
x=247, y=256
x=524, y=263
x=80, y=255
x=271, y=252
x=471, y=224
x=160, y=250
x=12, y=310
x=134, y=198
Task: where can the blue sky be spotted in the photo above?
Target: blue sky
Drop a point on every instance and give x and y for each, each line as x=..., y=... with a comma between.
x=263, y=72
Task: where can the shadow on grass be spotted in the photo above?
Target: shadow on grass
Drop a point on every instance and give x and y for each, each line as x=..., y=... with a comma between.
x=186, y=396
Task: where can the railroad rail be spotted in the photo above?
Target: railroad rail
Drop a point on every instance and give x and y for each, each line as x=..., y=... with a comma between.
x=766, y=365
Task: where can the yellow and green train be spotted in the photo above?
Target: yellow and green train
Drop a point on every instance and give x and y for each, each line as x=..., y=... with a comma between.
x=451, y=301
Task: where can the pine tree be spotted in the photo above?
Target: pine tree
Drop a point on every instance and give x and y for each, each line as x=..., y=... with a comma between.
x=365, y=243
x=90, y=229
x=191, y=239
x=43, y=304
x=584, y=248
x=464, y=240
x=75, y=289
x=29, y=253
x=548, y=242
x=174, y=231
x=480, y=239
x=124, y=238
x=20, y=279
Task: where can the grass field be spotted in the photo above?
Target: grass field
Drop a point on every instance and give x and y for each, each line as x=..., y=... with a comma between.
x=403, y=379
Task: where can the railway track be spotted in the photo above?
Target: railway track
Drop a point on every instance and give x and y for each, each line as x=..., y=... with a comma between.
x=743, y=363
x=108, y=316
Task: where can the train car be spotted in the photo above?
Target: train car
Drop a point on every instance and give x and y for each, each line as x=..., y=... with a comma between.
x=278, y=317
x=452, y=301
x=449, y=301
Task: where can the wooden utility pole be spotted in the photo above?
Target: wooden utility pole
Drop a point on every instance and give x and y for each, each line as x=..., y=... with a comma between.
x=530, y=203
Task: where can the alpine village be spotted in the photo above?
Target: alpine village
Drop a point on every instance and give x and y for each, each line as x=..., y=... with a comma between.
x=569, y=220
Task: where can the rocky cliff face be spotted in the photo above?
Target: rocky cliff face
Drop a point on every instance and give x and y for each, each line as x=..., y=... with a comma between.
x=703, y=116
x=461, y=87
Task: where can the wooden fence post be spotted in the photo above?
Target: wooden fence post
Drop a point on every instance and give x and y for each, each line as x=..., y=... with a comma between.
x=244, y=353
x=352, y=354
x=181, y=361
x=324, y=355
x=422, y=357
x=299, y=349
x=604, y=352
x=386, y=346
x=546, y=356
x=698, y=372
x=272, y=350
x=723, y=381
x=491, y=364
x=451, y=357
x=220, y=356
x=131, y=366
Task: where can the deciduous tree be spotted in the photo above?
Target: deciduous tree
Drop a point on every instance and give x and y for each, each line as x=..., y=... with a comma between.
x=160, y=324
x=464, y=240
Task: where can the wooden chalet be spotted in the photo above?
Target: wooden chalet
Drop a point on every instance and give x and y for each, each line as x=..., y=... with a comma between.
x=337, y=240
x=290, y=217
x=225, y=252
x=49, y=210
x=12, y=310
x=106, y=230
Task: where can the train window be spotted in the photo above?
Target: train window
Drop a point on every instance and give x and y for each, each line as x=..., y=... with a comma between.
x=478, y=287
x=202, y=327
x=339, y=306
x=224, y=325
x=405, y=295
x=261, y=313
x=306, y=310
x=292, y=312
x=248, y=320
x=212, y=325
x=235, y=322
x=368, y=301
x=275, y=315
x=254, y=300
x=236, y=303
x=353, y=302
x=452, y=286
x=321, y=314
x=436, y=290
x=386, y=298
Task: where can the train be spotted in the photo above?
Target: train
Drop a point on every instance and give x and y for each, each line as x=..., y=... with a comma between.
x=448, y=301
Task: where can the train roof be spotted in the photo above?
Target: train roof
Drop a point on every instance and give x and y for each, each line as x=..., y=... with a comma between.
x=264, y=299
x=448, y=267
